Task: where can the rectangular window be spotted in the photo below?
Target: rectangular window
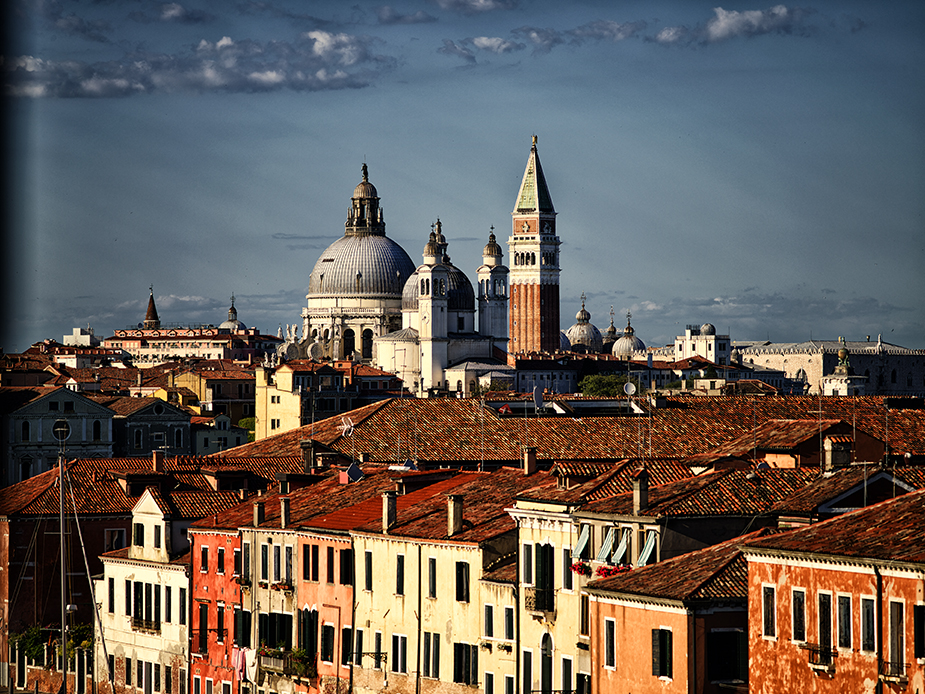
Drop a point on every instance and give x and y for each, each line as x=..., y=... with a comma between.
x=246, y=561
x=462, y=581
x=330, y=564
x=220, y=561
x=528, y=563
x=327, y=643
x=204, y=564
x=157, y=604
x=287, y=574
x=277, y=564
x=610, y=643
x=509, y=623
x=139, y=606
x=584, y=615
x=489, y=683
x=306, y=562
x=799, y=615
x=527, y=672
x=220, y=623
x=727, y=655
x=918, y=631
x=236, y=559
x=182, y=607
x=432, y=577
x=346, y=639
x=168, y=603
x=128, y=672
x=203, y=629
x=769, y=607
x=566, y=675
x=466, y=663
x=844, y=621
x=661, y=652
x=138, y=538
x=566, y=569
x=868, y=635
x=182, y=681
x=346, y=567
x=315, y=555
x=544, y=570
x=897, y=637
x=112, y=595
x=264, y=562
x=399, y=653
x=197, y=685
x=128, y=598
x=149, y=604
x=508, y=684
x=209, y=685
x=431, y=655
x=583, y=547
x=168, y=679
x=377, y=650
x=489, y=621
x=358, y=649
x=157, y=677
x=400, y=575
x=157, y=537
x=140, y=673
x=825, y=620
x=368, y=569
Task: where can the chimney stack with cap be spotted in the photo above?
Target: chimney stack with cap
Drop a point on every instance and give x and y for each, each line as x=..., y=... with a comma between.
x=640, y=490
x=454, y=514
x=258, y=513
x=157, y=463
x=283, y=511
x=388, y=510
x=529, y=460
x=308, y=454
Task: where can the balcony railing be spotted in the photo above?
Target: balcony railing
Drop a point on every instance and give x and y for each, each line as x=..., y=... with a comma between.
x=821, y=657
x=281, y=664
x=145, y=624
x=894, y=672
x=303, y=665
x=539, y=600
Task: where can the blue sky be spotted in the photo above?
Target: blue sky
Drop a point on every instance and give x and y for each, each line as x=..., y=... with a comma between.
x=757, y=166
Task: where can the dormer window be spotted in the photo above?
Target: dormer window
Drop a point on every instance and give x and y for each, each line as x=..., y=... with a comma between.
x=138, y=538
x=157, y=536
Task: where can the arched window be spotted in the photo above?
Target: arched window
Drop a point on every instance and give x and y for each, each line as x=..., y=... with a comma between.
x=546, y=665
x=137, y=438
x=26, y=432
x=458, y=386
x=367, y=344
x=349, y=342
x=178, y=438
x=97, y=430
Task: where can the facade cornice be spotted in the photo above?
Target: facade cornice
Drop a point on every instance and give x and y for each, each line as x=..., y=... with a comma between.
x=767, y=555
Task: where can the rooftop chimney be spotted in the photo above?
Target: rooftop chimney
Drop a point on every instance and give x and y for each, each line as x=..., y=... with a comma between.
x=308, y=454
x=529, y=460
x=640, y=491
x=157, y=463
x=454, y=514
x=388, y=510
x=258, y=513
x=283, y=511
x=837, y=453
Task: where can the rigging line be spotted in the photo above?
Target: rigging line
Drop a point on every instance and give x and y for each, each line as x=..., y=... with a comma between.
x=83, y=551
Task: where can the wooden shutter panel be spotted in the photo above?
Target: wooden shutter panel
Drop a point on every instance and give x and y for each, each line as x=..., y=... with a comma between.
x=667, y=652
x=656, y=653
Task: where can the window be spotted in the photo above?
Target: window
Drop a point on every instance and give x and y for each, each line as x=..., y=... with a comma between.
x=157, y=536
x=606, y=546
x=138, y=438
x=527, y=672
x=138, y=538
x=346, y=567
x=236, y=561
x=432, y=577
x=242, y=628
x=315, y=554
x=220, y=561
x=466, y=663
x=264, y=562
x=168, y=602
x=727, y=655
x=400, y=575
x=197, y=684
x=897, y=638
x=566, y=670
x=825, y=621
x=610, y=643
x=508, y=684
x=182, y=680
x=462, y=581
x=661, y=652
x=489, y=621
x=584, y=615
x=648, y=554
x=168, y=679
x=768, y=609
x=327, y=643
x=528, y=563
x=246, y=561
x=182, y=606
x=489, y=683
x=330, y=565
x=918, y=631
x=377, y=650
x=112, y=595
x=128, y=672
x=25, y=432
x=844, y=621
x=346, y=639
x=566, y=569
x=306, y=562
x=157, y=677
x=509, y=623
x=220, y=623
x=431, y=655
x=583, y=547
x=368, y=570
x=288, y=571
x=358, y=649
x=399, y=653
x=52, y=406
x=868, y=636
x=204, y=563
x=203, y=629
x=545, y=571
x=799, y=615
x=277, y=563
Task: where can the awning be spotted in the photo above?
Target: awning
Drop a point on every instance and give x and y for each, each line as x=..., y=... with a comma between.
x=621, y=548
x=604, y=554
x=647, y=549
x=582, y=541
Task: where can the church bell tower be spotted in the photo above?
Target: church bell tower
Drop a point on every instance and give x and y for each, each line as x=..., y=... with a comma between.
x=534, y=270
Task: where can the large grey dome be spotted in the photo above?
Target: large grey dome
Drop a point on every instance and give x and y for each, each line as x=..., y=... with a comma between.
x=583, y=336
x=628, y=342
x=232, y=323
x=459, y=295
x=361, y=266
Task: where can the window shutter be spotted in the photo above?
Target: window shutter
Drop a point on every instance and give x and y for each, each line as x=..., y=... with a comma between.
x=457, y=662
x=435, y=645
x=157, y=603
x=656, y=653
x=918, y=620
x=474, y=665
x=263, y=627
x=426, y=654
x=667, y=653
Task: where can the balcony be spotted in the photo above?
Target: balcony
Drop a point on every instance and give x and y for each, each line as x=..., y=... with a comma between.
x=539, y=600
x=894, y=672
x=821, y=658
x=145, y=624
x=295, y=663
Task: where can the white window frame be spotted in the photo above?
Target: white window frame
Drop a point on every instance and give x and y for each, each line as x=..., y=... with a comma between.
x=526, y=564
x=610, y=650
x=793, y=589
x=764, y=621
x=838, y=625
x=873, y=600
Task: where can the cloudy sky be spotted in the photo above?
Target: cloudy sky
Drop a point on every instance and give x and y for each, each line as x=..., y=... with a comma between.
x=757, y=166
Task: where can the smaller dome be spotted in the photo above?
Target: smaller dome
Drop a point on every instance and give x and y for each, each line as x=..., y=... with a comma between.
x=492, y=249
x=707, y=329
x=583, y=336
x=628, y=343
x=232, y=323
x=431, y=250
x=365, y=189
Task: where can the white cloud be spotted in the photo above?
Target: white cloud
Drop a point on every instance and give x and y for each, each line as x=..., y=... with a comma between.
x=475, y=6
x=496, y=44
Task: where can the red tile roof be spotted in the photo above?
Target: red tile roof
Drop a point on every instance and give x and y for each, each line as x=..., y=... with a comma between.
x=891, y=531
x=718, y=572
x=615, y=479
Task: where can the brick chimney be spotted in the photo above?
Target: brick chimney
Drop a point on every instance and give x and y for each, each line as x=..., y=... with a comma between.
x=308, y=454
x=283, y=511
x=157, y=462
x=388, y=510
x=837, y=453
x=640, y=491
x=529, y=460
x=259, y=514
x=454, y=514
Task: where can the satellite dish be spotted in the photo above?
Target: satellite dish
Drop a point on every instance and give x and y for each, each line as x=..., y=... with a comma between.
x=629, y=388
x=537, y=397
x=354, y=473
x=346, y=426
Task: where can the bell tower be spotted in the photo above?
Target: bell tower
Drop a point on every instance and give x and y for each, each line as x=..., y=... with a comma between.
x=534, y=269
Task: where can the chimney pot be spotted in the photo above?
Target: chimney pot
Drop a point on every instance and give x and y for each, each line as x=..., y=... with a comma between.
x=388, y=510
x=529, y=460
x=157, y=463
x=258, y=513
x=640, y=491
x=454, y=517
x=283, y=511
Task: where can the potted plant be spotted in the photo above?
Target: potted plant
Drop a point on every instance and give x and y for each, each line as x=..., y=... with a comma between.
x=582, y=568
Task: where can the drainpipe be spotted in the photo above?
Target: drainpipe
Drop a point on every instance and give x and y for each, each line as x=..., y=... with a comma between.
x=878, y=617
x=518, y=684
x=417, y=675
